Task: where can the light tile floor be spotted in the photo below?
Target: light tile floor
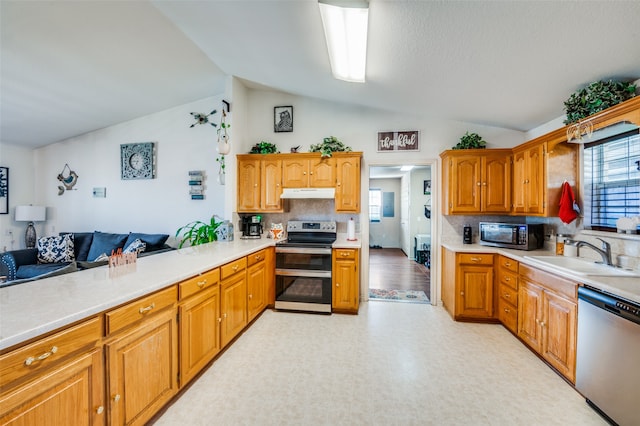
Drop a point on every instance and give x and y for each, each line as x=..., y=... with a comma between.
x=393, y=364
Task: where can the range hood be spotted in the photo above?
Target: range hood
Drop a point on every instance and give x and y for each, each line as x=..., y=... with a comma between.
x=308, y=193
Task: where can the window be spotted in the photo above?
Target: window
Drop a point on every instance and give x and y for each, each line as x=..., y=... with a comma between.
x=375, y=204
x=612, y=180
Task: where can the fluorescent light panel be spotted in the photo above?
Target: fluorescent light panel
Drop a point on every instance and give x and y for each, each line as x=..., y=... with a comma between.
x=345, y=29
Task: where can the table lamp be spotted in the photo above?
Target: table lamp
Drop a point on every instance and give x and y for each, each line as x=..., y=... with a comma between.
x=30, y=214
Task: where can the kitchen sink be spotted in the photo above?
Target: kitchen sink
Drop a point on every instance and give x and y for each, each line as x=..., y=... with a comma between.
x=579, y=266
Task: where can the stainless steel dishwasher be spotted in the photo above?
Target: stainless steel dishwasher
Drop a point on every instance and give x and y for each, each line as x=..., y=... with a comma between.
x=608, y=355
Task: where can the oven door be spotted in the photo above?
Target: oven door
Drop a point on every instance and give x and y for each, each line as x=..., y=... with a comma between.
x=304, y=258
x=301, y=290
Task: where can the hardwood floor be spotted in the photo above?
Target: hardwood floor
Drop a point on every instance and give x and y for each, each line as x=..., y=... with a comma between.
x=391, y=269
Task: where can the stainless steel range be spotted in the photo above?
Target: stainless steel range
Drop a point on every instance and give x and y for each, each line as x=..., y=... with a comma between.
x=303, y=267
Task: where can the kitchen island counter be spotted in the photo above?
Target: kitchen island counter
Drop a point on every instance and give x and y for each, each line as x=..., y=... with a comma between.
x=31, y=309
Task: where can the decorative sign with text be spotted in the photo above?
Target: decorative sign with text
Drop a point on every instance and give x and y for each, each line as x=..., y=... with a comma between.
x=398, y=141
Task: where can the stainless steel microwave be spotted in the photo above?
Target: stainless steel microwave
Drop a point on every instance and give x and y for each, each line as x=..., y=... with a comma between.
x=512, y=235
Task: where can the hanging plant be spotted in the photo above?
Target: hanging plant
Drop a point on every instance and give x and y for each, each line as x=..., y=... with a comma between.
x=597, y=97
x=264, y=147
x=221, y=161
x=328, y=146
x=470, y=141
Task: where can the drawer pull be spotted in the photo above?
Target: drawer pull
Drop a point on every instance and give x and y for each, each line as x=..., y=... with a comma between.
x=476, y=259
x=116, y=398
x=507, y=279
x=507, y=310
x=100, y=410
x=235, y=268
x=344, y=254
x=507, y=264
x=147, y=309
x=202, y=283
x=258, y=257
x=45, y=355
x=507, y=295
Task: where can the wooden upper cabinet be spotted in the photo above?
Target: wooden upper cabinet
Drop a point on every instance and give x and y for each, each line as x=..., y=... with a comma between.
x=348, y=184
x=300, y=172
x=477, y=181
x=249, y=174
x=529, y=180
x=271, y=188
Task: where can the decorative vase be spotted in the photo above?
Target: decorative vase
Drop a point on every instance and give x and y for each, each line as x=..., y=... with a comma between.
x=224, y=147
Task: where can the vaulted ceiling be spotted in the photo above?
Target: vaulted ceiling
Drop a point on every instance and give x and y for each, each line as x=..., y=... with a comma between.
x=69, y=67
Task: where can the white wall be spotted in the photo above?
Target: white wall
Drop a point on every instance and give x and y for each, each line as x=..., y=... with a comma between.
x=21, y=192
x=386, y=233
x=159, y=205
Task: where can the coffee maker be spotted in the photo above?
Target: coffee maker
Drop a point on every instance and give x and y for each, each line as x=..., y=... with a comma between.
x=251, y=226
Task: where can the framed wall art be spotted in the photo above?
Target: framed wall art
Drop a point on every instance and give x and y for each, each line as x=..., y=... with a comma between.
x=399, y=141
x=4, y=190
x=137, y=161
x=283, y=119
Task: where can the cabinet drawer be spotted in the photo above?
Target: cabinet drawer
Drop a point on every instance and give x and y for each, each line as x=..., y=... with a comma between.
x=508, y=315
x=509, y=295
x=141, y=308
x=475, y=259
x=193, y=285
x=256, y=257
x=48, y=351
x=508, y=278
x=345, y=254
x=232, y=267
x=509, y=264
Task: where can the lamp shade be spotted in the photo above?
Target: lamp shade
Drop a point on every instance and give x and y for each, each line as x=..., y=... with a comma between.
x=31, y=213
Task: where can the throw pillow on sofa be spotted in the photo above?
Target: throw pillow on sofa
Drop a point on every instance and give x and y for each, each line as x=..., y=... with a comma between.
x=56, y=249
x=153, y=241
x=82, y=243
x=136, y=246
x=105, y=243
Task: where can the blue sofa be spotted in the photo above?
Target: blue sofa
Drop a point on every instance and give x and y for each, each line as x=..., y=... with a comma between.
x=23, y=265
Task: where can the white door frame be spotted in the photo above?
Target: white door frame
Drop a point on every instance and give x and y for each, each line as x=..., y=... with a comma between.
x=435, y=294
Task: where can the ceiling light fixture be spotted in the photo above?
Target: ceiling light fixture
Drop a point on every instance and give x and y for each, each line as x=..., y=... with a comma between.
x=345, y=28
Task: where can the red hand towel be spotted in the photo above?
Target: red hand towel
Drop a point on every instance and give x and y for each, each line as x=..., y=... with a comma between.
x=567, y=212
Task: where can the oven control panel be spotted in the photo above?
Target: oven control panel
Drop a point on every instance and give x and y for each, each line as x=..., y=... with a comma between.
x=311, y=226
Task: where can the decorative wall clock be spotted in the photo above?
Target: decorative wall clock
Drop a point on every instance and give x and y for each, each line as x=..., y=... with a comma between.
x=137, y=161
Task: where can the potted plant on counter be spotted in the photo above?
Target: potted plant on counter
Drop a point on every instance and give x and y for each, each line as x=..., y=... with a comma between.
x=198, y=232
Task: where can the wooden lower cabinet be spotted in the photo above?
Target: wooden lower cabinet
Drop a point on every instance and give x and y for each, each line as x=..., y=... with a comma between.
x=256, y=284
x=70, y=394
x=142, y=369
x=199, y=332
x=345, y=281
x=547, y=318
x=467, y=285
x=233, y=306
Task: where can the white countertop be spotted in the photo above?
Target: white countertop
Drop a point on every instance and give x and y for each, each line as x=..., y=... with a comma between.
x=342, y=242
x=625, y=287
x=33, y=308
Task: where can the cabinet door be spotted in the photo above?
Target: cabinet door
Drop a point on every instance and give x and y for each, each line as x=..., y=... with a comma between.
x=233, y=307
x=530, y=313
x=322, y=173
x=496, y=184
x=248, y=185
x=475, y=291
x=465, y=184
x=519, y=182
x=345, y=292
x=348, y=185
x=71, y=394
x=143, y=369
x=535, y=180
x=271, y=188
x=295, y=173
x=256, y=289
x=559, y=333
x=199, y=332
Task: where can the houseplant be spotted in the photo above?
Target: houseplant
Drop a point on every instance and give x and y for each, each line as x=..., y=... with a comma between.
x=264, y=147
x=471, y=141
x=597, y=97
x=328, y=146
x=198, y=232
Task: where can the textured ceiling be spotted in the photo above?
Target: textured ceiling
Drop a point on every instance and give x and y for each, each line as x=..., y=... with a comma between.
x=72, y=67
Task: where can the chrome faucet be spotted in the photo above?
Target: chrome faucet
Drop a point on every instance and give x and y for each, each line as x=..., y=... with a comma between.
x=605, y=252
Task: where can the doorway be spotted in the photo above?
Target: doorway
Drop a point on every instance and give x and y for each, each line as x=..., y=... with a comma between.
x=400, y=229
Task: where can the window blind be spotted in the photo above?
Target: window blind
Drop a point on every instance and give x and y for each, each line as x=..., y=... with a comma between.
x=375, y=204
x=612, y=180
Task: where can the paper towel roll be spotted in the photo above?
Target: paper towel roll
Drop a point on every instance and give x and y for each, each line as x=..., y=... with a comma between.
x=351, y=230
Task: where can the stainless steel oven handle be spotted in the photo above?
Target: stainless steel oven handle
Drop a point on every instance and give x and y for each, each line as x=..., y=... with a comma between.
x=303, y=273
x=303, y=250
